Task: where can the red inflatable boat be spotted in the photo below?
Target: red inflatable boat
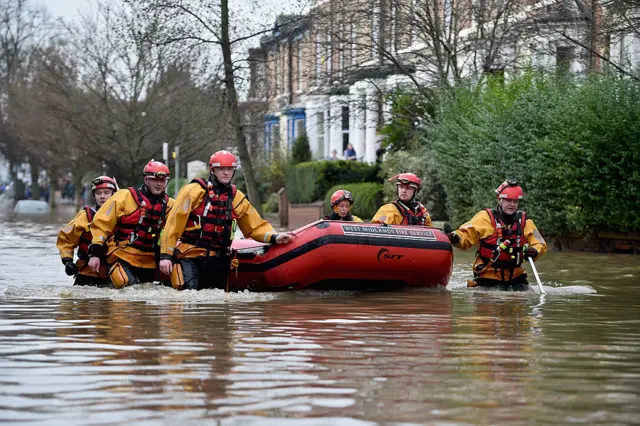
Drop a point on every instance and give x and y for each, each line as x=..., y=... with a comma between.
x=346, y=255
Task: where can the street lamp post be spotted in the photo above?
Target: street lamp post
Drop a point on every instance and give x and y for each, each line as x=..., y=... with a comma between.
x=176, y=156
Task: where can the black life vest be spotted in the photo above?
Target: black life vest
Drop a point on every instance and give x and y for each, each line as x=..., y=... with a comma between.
x=415, y=217
x=336, y=216
x=85, y=238
x=512, y=256
x=212, y=223
x=141, y=229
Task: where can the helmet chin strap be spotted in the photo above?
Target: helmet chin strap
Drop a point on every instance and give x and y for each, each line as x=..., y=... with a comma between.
x=152, y=197
x=411, y=201
x=149, y=189
x=506, y=217
x=214, y=180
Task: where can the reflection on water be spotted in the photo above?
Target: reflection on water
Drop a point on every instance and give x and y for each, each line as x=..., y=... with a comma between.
x=150, y=355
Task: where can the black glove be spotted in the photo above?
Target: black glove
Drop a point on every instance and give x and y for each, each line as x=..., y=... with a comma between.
x=453, y=237
x=97, y=250
x=166, y=256
x=531, y=252
x=70, y=267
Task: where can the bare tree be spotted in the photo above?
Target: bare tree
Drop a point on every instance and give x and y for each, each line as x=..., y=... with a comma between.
x=131, y=95
x=428, y=41
x=600, y=34
x=24, y=27
x=228, y=29
x=50, y=143
x=437, y=42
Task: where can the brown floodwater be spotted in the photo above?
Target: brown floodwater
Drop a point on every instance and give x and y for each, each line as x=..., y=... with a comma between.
x=151, y=355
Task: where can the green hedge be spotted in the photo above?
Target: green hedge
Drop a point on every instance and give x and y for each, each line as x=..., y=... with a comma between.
x=308, y=182
x=271, y=205
x=574, y=145
x=420, y=162
x=367, y=198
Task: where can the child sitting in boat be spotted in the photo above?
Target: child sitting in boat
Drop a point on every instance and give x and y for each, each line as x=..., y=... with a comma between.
x=341, y=202
x=406, y=210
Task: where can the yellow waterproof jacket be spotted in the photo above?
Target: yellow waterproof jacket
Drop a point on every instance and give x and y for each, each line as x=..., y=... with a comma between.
x=390, y=215
x=69, y=238
x=104, y=225
x=480, y=227
x=189, y=198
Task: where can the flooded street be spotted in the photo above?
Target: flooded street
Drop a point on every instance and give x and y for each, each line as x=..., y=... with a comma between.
x=151, y=355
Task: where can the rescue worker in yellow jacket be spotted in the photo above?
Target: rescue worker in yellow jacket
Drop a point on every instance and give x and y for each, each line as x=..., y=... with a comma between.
x=341, y=202
x=505, y=238
x=406, y=209
x=77, y=233
x=196, y=242
x=126, y=229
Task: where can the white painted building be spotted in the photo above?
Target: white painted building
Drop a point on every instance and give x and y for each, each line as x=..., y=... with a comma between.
x=330, y=84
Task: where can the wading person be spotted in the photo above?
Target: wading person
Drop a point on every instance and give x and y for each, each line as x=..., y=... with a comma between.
x=131, y=222
x=406, y=209
x=504, y=237
x=341, y=202
x=77, y=233
x=196, y=242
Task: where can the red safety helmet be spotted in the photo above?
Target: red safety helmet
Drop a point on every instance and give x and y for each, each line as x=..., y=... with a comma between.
x=407, y=179
x=223, y=159
x=510, y=190
x=104, y=182
x=340, y=195
x=156, y=169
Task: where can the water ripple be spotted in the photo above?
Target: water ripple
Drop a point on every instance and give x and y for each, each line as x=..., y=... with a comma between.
x=150, y=355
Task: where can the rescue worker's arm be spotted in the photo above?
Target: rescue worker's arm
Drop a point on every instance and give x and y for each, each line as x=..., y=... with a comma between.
x=69, y=236
x=535, y=239
x=427, y=220
x=472, y=232
x=189, y=198
x=104, y=222
x=251, y=224
x=106, y=218
x=356, y=219
x=388, y=214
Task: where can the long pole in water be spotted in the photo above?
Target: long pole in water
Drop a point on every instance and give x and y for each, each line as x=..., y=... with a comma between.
x=535, y=272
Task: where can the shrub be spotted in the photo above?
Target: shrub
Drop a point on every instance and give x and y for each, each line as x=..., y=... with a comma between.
x=300, y=151
x=573, y=144
x=410, y=111
x=308, y=182
x=420, y=162
x=271, y=206
x=263, y=186
x=273, y=173
x=367, y=198
x=301, y=182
